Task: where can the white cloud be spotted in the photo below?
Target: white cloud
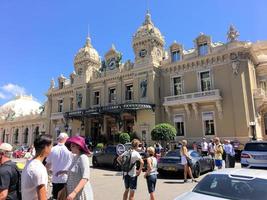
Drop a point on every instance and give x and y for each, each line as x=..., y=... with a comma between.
x=9, y=91
x=2, y=96
x=13, y=89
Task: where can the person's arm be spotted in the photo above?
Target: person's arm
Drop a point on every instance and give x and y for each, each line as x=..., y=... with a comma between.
x=149, y=166
x=41, y=192
x=141, y=166
x=3, y=194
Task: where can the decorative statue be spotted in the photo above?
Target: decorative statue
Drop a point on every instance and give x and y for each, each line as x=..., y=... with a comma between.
x=103, y=66
x=79, y=99
x=143, y=86
x=118, y=60
x=235, y=67
x=52, y=83
x=232, y=34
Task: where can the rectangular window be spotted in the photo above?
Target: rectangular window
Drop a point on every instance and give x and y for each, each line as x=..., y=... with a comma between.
x=176, y=56
x=203, y=49
x=112, y=95
x=179, y=125
x=129, y=92
x=205, y=81
x=177, y=86
x=208, y=123
x=60, y=105
x=97, y=98
x=71, y=104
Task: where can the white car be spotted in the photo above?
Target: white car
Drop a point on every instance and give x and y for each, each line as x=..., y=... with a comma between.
x=254, y=155
x=235, y=184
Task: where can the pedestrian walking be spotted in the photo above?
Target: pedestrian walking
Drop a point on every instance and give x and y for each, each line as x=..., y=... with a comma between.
x=151, y=173
x=34, y=178
x=230, y=154
x=218, y=152
x=9, y=178
x=128, y=160
x=211, y=146
x=186, y=161
x=204, y=147
x=59, y=159
x=78, y=183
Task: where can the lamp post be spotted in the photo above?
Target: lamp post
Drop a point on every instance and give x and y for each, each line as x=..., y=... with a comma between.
x=253, y=130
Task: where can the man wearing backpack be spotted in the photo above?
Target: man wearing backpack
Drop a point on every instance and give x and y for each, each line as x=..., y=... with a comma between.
x=8, y=174
x=128, y=164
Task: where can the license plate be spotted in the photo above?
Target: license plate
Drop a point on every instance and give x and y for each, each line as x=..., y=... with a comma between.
x=171, y=169
x=260, y=157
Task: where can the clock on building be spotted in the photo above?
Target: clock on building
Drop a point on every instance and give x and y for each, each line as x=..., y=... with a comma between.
x=112, y=63
x=143, y=53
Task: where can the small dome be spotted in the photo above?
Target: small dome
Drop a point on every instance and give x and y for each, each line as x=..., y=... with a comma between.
x=19, y=107
x=87, y=53
x=148, y=30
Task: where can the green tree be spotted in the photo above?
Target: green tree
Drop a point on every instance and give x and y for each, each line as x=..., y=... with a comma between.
x=124, y=138
x=163, y=132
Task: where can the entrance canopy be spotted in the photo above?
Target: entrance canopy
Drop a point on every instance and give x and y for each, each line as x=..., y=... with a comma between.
x=113, y=110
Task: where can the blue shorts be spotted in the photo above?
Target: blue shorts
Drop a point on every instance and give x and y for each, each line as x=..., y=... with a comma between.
x=218, y=163
x=130, y=182
x=151, y=182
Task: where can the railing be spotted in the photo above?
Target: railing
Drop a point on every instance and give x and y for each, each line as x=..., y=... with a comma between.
x=193, y=97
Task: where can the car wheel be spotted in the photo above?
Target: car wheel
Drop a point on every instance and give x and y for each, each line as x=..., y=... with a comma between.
x=196, y=171
x=116, y=165
x=95, y=163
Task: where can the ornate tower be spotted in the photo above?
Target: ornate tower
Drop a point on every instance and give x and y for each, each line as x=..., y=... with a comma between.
x=86, y=61
x=148, y=44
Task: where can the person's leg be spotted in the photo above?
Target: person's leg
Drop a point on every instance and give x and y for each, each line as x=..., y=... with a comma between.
x=185, y=172
x=133, y=186
x=127, y=185
x=190, y=173
x=153, y=187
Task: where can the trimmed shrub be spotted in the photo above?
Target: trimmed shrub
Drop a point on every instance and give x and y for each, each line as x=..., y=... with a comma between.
x=163, y=132
x=124, y=138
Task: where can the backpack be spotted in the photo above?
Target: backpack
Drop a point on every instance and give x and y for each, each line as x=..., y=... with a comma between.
x=126, y=164
x=17, y=167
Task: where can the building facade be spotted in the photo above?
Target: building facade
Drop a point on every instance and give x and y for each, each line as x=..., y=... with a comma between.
x=214, y=89
x=22, y=120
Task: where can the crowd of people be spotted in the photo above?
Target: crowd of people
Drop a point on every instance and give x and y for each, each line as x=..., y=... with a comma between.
x=68, y=162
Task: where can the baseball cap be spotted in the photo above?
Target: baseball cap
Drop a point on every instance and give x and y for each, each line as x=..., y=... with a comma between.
x=6, y=147
x=62, y=135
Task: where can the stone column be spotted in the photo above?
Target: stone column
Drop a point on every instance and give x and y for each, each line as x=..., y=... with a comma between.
x=195, y=108
x=219, y=109
x=187, y=109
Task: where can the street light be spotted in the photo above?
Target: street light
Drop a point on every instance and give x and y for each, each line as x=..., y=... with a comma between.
x=252, y=125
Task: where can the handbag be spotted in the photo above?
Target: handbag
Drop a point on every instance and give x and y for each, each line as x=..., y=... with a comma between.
x=189, y=162
x=62, y=194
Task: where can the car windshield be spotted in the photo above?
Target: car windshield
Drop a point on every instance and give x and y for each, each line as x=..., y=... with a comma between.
x=173, y=154
x=256, y=147
x=232, y=187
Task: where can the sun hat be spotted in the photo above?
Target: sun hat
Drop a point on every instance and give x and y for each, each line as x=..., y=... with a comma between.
x=62, y=135
x=80, y=142
x=6, y=147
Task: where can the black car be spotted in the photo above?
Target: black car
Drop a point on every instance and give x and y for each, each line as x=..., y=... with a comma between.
x=172, y=162
x=106, y=157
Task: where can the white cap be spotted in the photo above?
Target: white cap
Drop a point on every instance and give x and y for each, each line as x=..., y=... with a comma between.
x=6, y=147
x=62, y=135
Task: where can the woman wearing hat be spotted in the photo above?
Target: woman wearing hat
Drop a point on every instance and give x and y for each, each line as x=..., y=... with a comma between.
x=78, y=185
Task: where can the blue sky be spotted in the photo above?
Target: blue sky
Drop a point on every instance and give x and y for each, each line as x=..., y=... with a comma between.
x=38, y=39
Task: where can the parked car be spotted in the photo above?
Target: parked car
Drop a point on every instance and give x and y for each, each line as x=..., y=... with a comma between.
x=172, y=162
x=106, y=157
x=236, y=184
x=254, y=155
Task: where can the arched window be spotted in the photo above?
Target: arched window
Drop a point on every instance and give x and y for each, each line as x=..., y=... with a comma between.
x=4, y=136
x=16, y=136
x=36, y=133
x=26, y=135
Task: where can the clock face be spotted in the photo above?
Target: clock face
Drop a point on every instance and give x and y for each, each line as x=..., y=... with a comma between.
x=143, y=53
x=112, y=63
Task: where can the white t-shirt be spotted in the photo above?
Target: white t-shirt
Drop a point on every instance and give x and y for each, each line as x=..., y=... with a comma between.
x=204, y=146
x=211, y=147
x=33, y=175
x=60, y=159
x=135, y=156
